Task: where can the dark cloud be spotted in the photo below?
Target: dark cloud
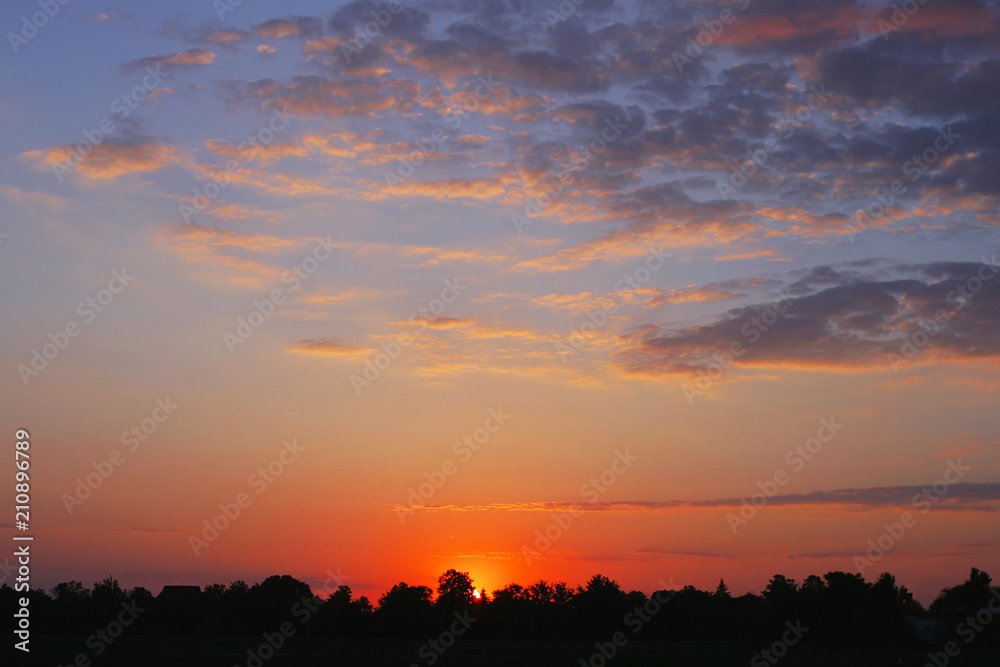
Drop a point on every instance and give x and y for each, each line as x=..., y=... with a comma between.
x=949, y=312
x=929, y=87
x=755, y=85
x=547, y=70
x=407, y=24
x=316, y=95
x=960, y=497
x=477, y=39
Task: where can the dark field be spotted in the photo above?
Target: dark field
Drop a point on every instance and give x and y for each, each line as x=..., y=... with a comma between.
x=227, y=652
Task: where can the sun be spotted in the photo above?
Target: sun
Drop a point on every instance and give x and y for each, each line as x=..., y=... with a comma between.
x=476, y=594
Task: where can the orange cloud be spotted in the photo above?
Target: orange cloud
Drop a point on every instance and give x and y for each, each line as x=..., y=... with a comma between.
x=216, y=251
x=189, y=58
x=329, y=347
x=262, y=154
x=226, y=36
x=302, y=26
x=435, y=256
x=106, y=161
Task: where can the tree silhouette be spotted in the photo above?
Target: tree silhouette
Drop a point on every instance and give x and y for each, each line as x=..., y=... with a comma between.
x=343, y=616
x=454, y=591
x=840, y=608
x=406, y=608
x=271, y=602
x=958, y=605
x=108, y=598
x=72, y=607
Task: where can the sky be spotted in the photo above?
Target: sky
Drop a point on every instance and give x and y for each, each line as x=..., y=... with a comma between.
x=666, y=291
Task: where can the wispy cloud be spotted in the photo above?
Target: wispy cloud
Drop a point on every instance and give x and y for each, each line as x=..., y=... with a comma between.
x=963, y=497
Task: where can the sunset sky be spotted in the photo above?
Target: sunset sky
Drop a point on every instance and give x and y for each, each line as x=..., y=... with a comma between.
x=636, y=261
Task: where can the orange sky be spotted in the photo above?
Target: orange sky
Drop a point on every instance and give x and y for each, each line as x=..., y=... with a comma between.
x=526, y=266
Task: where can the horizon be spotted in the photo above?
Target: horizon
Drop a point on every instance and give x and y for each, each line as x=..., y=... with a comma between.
x=329, y=584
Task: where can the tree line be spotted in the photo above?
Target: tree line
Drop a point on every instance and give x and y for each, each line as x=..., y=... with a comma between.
x=839, y=608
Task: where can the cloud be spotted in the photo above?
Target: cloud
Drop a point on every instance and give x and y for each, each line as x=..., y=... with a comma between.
x=218, y=238
x=108, y=160
x=361, y=297
x=189, y=58
x=446, y=322
x=229, y=36
x=261, y=154
x=683, y=554
x=329, y=347
x=933, y=87
x=316, y=95
x=721, y=291
x=961, y=497
x=225, y=256
x=848, y=323
x=407, y=24
x=940, y=21
x=552, y=89
x=306, y=27
x=659, y=179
